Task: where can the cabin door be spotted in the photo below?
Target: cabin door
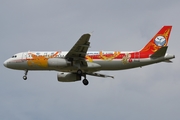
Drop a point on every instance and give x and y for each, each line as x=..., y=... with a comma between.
x=24, y=55
x=136, y=56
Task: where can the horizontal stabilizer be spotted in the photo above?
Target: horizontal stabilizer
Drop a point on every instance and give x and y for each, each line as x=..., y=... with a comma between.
x=168, y=61
x=159, y=53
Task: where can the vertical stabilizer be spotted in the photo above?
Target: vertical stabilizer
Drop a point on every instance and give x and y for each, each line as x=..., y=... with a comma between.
x=158, y=41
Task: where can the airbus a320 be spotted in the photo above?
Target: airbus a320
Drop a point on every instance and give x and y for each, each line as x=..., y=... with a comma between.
x=77, y=63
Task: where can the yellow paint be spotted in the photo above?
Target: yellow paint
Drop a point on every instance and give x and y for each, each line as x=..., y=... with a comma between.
x=152, y=46
x=166, y=34
x=89, y=58
x=109, y=58
x=126, y=58
x=106, y=57
x=41, y=61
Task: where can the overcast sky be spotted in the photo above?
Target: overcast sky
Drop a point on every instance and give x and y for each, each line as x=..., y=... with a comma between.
x=147, y=93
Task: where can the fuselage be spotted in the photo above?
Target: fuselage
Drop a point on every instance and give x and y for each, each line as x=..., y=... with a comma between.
x=96, y=61
x=79, y=62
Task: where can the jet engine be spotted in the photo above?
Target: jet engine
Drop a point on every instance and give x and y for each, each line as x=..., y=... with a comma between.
x=68, y=77
x=58, y=62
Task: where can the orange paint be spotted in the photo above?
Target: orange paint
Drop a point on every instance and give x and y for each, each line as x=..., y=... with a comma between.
x=106, y=57
x=40, y=61
x=152, y=46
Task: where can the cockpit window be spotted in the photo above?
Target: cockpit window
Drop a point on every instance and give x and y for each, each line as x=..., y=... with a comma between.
x=14, y=56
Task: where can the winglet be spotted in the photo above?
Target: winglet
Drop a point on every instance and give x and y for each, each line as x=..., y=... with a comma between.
x=158, y=41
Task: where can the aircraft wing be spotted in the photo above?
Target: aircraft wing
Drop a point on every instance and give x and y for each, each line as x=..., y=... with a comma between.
x=79, y=50
x=99, y=75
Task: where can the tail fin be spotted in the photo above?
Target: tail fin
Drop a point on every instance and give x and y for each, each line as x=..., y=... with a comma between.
x=158, y=41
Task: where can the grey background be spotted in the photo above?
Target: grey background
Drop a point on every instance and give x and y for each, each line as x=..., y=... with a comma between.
x=148, y=93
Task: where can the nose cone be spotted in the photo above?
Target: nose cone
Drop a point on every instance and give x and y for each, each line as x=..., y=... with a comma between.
x=5, y=63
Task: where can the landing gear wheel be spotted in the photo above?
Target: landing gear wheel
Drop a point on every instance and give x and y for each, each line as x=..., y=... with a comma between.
x=85, y=82
x=25, y=77
x=79, y=72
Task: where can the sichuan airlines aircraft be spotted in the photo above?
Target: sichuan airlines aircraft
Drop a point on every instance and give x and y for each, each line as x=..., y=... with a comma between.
x=78, y=62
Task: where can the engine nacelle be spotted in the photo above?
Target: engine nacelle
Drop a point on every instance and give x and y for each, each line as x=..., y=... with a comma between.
x=68, y=77
x=57, y=62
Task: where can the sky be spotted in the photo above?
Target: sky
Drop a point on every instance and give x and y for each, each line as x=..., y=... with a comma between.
x=147, y=93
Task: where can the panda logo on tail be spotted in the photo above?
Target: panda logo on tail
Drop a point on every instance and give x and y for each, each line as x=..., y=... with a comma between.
x=160, y=41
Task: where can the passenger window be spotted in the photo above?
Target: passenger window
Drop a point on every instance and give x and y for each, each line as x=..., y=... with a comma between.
x=37, y=54
x=45, y=55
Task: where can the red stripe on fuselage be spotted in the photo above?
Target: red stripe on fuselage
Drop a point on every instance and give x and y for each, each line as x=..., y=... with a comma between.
x=134, y=55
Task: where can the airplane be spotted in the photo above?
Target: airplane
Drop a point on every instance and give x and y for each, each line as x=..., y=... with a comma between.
x=79, y=62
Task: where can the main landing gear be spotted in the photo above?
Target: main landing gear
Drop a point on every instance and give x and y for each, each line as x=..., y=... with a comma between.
x=85, y=81
x=25, y=75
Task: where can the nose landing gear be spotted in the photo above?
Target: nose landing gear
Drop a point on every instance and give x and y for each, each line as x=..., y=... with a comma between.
x=25, y=75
